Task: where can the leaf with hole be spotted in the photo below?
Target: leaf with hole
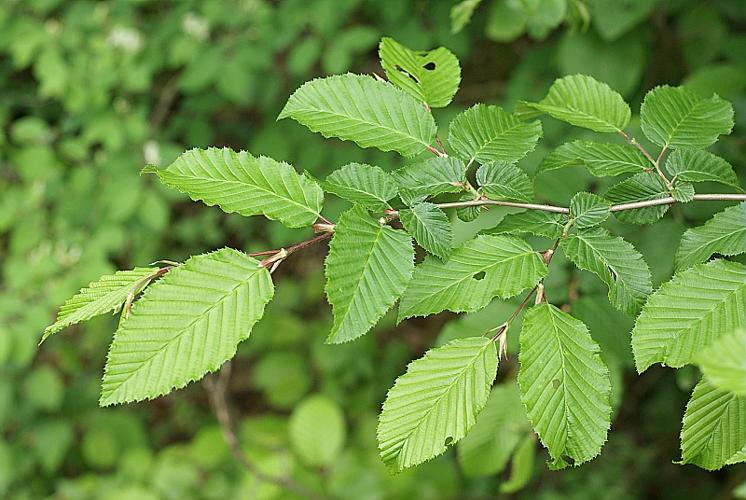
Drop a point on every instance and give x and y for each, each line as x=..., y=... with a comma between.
x=436, y=402
x=431, y=76
x=479, y=270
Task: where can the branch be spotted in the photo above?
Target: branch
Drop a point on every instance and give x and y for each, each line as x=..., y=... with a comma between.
x=656, y=163
x=216, y=390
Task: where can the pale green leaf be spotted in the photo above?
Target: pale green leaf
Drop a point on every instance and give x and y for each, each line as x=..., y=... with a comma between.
x=521, y=466
x=479, y=270
x=431, y=177
x=723, y=363
x=689, y=312
x=500, y=426
x=485, y=133
x=677, y=117
x=502, y=180
x=616, y=262
x=714, y=427
x=582, y=101
x=317, y=430
x=104, y=295
x=600, y=159
x=436, y=402
x=367, y=269
x=185, y=325
x=430, y=227
x=696, y=165
x=724, y=234
x=361, y=109
x=565, y=385
x=461, y=14
x=469, y=212
x=367, y=185
x=683, y=192
x=588, y=210
x=244, y=184
x=535, y=222
x=639, y=187
x=430, y=76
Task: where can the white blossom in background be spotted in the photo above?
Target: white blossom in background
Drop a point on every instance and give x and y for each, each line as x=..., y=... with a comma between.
x=151, y=152
x=196, y=26
x=127, y=39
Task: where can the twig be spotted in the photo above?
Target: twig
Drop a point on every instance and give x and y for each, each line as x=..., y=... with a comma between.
x=275, y=256
x=216, y=391
x=656, y=163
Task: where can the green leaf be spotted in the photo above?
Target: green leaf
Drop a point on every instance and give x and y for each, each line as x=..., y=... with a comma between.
x=317, y=430
x=588, y=210
x=502, y=180
x=714, y=427
x=616, y=262
x=364, y=110
x=565, y=385
x=582, y=101
x=185, y=325
x=639, y=187
x=600, y=159
x=244, y=184
x=485, y=133
x=478, y=271
x=430, y=76
x=470, y=212
x=688, y=313
x=431, y=177
x=724, y=234
x=367, y=185
x=106, y=294
x=430, y=227
x=367, y=269
x=500, y=426
x=461, y=14
x=436, y=402
x=675, y=117
x=723, y=363
x=696, y=165
x=683, y=192
x=521, y=467
x=536, y=222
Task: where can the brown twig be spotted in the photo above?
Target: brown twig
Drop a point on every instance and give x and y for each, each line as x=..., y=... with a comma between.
x=216, y=387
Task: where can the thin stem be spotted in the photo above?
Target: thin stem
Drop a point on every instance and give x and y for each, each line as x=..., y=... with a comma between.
x=656, y=163
x=434, y=151
x=669, y=200
x=485, y=201
x=440, y=143
x=216, y=392
x=283, y=253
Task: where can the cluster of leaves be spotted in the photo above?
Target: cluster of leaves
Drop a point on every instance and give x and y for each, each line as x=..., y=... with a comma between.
x=181, y=321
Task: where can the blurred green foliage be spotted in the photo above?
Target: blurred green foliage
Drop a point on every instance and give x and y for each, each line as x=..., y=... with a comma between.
x=90, y=92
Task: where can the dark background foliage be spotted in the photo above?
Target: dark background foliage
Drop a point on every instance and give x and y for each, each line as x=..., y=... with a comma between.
x=90, y=92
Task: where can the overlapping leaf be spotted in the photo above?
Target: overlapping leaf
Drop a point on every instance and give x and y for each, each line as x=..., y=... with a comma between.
x=696, y=165
x=241, y=183
x=714, y=427
x=364, y=110
x=584, y=102
x=431, y=177
x=723, y=363
x=366, y=185
x=430, y=227
x=616, y=262
x=479, y=270
x=436, y=402
x=536, y=222
x=499, y=429
x=588, y=210
x=678, y=117
x=430, y=76
x=485, y=133
x=565, y=385
x=367, y=269
x=185, y=325
x=724, y=234
x=502, y=180
x=639, y=187
x=689, y=312
x=104, y=295
x=600, y=159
